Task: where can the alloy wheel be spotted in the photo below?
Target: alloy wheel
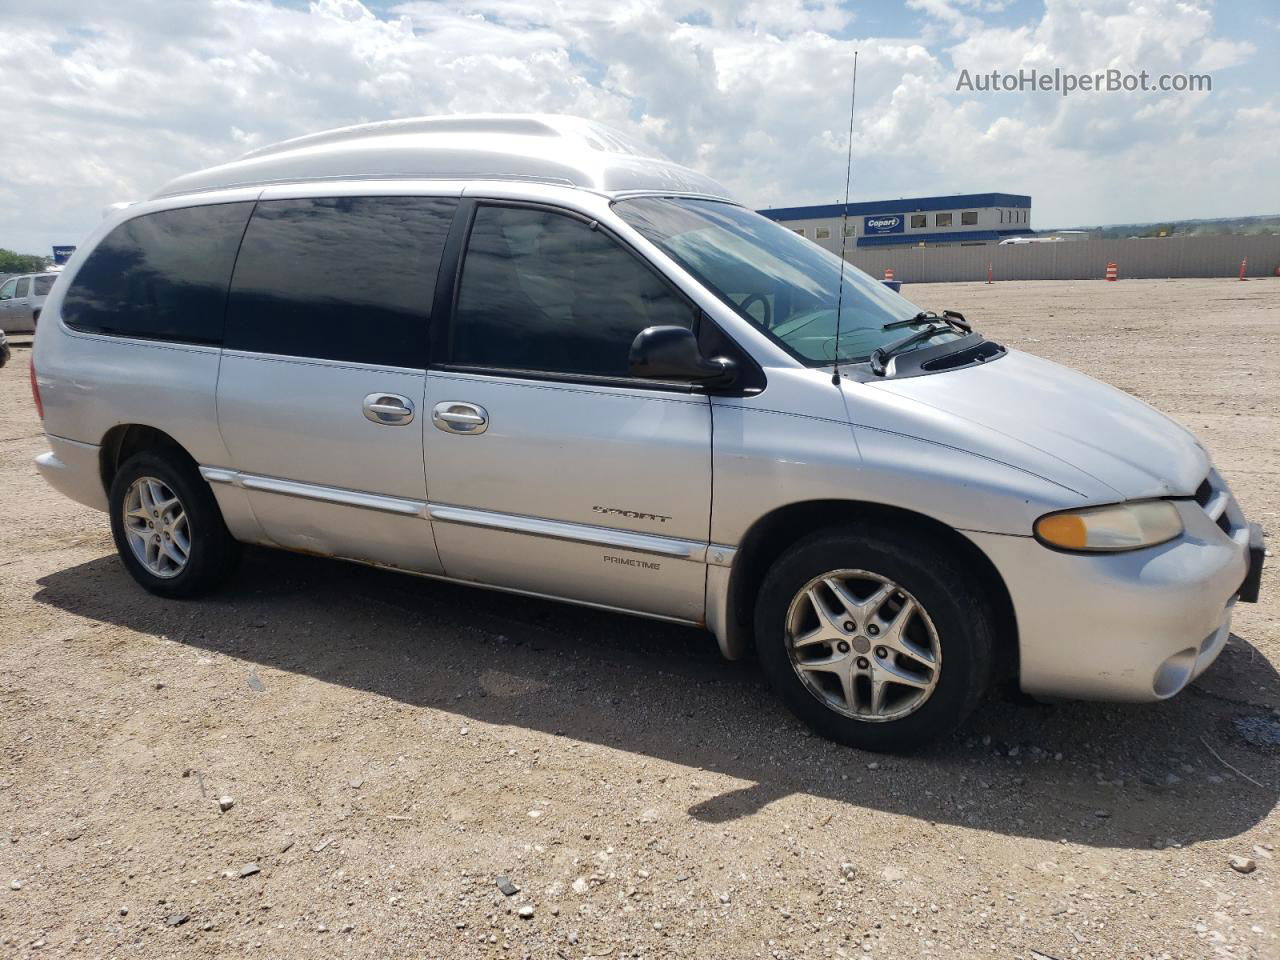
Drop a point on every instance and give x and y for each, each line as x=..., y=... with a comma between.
x=863, y=645
x=156, y=526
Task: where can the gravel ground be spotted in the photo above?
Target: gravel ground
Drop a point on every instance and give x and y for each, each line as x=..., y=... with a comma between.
x=393, y=746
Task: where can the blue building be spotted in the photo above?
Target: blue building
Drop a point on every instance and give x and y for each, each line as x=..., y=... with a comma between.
x=967, y=218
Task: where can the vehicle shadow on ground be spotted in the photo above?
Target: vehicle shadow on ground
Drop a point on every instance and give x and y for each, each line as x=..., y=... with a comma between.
x=1096, y=774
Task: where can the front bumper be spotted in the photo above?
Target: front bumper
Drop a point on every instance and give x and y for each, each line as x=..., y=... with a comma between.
x=1134, y=626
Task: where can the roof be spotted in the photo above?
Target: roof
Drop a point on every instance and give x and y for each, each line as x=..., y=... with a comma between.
x=904, y=205
x=547, y=148
x=943, y=236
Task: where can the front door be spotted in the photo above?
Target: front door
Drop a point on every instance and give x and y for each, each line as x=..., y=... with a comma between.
x=550, y=470
x=322, y=379
x=7, y=304
x=20, y=307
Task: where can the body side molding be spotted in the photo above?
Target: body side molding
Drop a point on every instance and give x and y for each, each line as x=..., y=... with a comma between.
x=694, y=550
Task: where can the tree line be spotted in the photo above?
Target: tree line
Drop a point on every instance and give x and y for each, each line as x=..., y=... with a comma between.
x=11, y=262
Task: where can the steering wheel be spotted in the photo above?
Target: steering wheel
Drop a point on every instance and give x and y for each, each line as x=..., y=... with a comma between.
x=768, y=310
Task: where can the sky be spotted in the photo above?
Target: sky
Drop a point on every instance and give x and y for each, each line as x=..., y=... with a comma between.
x=105, y=101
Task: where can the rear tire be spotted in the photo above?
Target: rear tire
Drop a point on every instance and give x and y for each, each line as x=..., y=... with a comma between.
x=876, y=638
x=167, y=526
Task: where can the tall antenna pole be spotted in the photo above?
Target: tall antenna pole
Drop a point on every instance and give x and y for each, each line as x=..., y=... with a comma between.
x=844, y=220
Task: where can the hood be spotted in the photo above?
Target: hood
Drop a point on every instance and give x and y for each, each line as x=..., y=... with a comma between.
x=1059, y=423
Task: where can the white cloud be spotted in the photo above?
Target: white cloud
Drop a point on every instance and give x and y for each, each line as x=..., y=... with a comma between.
x=108, y=103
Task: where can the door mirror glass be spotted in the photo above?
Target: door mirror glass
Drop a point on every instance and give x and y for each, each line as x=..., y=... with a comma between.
x=671, y=353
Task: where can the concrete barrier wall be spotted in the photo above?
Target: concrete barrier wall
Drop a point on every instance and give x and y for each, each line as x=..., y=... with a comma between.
x=1076, y=260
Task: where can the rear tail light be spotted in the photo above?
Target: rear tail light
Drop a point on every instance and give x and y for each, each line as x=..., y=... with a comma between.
x=35, y=389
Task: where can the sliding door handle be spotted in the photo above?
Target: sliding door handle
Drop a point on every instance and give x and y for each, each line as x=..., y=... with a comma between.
x=388, y=409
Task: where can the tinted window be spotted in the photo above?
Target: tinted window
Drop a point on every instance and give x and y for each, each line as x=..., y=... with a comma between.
x=161, y=276
x=339, y=278
x=24, y=287
x=542, y=291
x=44, y=285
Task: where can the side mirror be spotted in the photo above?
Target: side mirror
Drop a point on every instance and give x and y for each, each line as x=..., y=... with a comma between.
x=671, y=353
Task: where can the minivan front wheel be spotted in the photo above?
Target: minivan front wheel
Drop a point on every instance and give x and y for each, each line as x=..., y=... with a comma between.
x=874, y=641
x=167, y=526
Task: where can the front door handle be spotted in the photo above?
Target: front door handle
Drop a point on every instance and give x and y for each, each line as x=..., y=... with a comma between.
x=388, y=409
x=467, y=419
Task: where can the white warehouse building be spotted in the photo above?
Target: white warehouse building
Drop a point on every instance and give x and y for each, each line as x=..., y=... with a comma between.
x=967, y=218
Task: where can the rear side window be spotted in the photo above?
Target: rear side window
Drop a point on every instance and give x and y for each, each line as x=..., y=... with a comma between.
x=339, y=278
x=43, y=286
x=24, y=287
x=161, y=276
x=545, y=292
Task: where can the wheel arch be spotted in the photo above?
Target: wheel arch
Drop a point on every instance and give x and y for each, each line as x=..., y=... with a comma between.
x=776, y=531
x=126, y=439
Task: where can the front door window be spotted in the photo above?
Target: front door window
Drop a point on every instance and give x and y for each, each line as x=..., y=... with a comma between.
x=546, y=292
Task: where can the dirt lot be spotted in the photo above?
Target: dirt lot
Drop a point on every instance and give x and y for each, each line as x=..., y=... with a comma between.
x=393, y=745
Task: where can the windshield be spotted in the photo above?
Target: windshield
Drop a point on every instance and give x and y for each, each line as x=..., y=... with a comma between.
x=784, y=284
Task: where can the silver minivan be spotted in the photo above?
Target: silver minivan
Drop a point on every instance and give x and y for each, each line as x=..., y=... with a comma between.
x=521, y=352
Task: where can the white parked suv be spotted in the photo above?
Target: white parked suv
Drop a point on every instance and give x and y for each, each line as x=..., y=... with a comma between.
x=22, y=301
x=522, y=353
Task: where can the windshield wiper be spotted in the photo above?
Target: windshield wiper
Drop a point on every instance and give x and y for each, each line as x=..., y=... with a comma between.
x=880, y=355
x=951, y=317
x=924, y=316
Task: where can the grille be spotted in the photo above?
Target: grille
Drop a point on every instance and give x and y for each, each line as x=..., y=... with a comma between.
x=1204, y=492
x=1215, y=499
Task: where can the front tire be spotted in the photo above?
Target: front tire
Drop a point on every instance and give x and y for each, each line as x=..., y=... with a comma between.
x=167, y=526
x=875, y=638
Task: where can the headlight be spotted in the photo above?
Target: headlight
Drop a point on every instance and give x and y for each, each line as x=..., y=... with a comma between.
x=1125, y=526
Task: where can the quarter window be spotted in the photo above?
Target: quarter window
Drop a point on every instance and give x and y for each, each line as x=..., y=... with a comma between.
x=161, y=276
x=339, y=278
x=545, y=292
x=942, y=220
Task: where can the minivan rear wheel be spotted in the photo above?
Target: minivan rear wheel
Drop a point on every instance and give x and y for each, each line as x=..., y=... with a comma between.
x=874, y=639
x=167, y=526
